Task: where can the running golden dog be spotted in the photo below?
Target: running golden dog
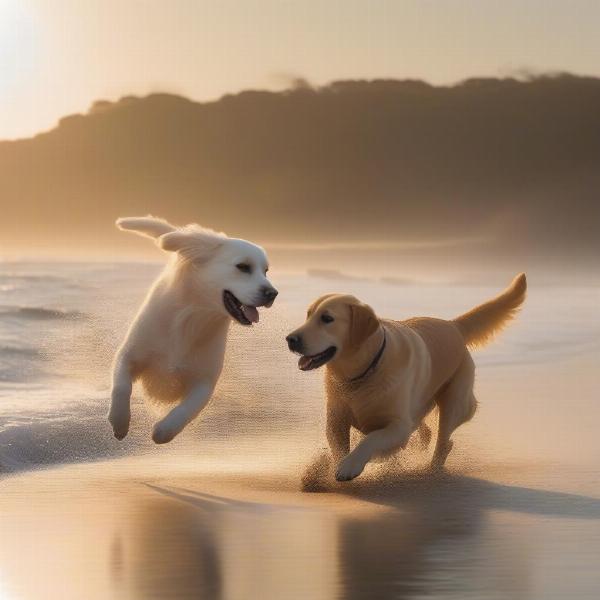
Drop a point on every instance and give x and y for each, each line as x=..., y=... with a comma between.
x=383, y=377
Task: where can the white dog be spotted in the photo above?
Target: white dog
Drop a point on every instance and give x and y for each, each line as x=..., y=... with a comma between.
x=176, y=343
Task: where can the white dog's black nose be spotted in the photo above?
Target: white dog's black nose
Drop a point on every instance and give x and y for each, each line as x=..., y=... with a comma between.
x=269, y=294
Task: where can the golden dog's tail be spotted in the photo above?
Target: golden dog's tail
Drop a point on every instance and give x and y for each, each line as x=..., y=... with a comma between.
x=480, y=324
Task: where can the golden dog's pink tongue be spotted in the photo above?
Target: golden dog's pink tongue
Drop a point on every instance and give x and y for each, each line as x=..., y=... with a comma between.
x=304, y=362
x=250, y=313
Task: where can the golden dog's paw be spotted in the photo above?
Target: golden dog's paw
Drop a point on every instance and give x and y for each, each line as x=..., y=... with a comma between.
x=349, y=468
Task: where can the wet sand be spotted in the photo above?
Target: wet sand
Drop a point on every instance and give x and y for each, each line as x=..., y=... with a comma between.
x=152, y=527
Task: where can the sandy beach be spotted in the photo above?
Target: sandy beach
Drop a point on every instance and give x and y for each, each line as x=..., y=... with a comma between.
x=224, y=511
x=507, y=520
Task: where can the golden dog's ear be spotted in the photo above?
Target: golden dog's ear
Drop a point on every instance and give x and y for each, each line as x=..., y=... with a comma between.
x=311, y=309
x=363, y=323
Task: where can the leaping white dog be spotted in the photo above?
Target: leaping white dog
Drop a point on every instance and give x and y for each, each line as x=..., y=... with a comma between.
x=176, y=344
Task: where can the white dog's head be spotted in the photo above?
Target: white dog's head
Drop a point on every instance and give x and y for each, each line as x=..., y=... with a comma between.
x=229, y=274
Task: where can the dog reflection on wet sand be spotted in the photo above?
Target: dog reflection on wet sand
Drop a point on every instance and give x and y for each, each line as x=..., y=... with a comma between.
x=419, y=535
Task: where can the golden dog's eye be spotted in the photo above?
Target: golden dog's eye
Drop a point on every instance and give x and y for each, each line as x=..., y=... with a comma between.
x=327, y=319
x=244, y=267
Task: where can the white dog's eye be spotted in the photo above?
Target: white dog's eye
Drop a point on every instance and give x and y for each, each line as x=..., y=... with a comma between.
x=327, y=319
x=244, y=267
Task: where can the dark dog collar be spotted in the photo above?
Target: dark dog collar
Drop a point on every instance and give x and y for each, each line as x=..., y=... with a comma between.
x=374, y=362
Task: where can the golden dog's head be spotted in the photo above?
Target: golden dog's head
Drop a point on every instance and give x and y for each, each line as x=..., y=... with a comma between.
x=335, y=326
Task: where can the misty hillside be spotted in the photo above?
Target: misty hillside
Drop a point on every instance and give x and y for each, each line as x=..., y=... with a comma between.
x=498, y=158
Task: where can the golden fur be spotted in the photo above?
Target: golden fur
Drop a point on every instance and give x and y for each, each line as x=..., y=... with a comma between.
x=425, y=363
x=481, y=323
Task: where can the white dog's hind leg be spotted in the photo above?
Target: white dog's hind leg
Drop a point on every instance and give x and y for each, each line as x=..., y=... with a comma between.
x=120, y=411
x=382, y=441
x=191, y=406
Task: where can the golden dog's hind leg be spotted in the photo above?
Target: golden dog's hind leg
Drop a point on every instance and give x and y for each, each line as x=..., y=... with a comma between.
x=457, y=405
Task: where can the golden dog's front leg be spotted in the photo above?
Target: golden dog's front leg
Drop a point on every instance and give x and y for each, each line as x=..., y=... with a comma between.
x=318, y=473
x=338, y=429
x=381, y=441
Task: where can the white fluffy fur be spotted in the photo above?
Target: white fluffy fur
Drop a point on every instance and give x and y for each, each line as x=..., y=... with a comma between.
x=176, y=343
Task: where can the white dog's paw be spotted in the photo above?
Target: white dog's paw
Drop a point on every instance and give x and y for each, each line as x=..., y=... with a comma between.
x=119, y=419
x=163, y=433
x=349, y=468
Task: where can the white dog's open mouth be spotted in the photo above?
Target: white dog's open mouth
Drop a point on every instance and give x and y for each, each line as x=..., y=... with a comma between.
x=308, y=363
x=246, y=315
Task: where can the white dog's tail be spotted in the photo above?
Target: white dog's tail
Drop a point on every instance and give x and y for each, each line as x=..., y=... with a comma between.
x=480, y=324
x=149, y=226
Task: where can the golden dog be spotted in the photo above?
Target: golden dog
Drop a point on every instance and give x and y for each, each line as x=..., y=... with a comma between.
x=383, y=377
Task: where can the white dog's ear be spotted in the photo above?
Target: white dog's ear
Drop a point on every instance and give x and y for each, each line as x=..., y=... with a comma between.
x=147, y=226
x=192, y=242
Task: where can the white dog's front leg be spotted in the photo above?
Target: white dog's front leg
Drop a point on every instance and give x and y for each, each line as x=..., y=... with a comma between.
x=191, y=406
x=393, y=436
x=120, y=412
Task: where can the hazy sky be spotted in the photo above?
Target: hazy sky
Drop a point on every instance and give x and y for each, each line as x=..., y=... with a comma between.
x=57, y=56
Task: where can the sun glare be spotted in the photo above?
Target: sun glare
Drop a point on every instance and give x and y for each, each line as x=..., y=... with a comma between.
x=18, y=42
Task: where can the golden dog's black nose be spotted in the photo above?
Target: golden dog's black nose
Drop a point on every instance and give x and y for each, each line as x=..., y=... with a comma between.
x=294, y=342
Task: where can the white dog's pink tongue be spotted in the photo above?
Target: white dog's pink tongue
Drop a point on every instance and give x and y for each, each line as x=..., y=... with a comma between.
x=250, y=313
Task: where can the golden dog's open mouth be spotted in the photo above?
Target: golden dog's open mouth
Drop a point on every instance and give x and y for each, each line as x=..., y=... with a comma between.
x=242, y=313
x=308, y=363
